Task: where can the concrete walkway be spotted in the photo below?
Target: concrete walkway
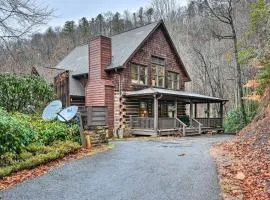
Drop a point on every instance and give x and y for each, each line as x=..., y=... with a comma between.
x=141, y=170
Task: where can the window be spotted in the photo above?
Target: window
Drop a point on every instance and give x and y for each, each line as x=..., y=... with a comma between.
x=145, y=108
x=138, y=74
x=158, y=72
x=158, y=61
x=173, y=80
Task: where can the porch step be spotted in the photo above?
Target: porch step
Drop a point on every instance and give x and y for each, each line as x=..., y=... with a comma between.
x=192, y=131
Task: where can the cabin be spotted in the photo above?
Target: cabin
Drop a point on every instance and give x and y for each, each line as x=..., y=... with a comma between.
x=134, y=83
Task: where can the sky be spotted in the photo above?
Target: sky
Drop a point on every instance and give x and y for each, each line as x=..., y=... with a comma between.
x=66, y=10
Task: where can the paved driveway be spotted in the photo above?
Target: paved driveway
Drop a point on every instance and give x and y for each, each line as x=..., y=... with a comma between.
x=141, y=170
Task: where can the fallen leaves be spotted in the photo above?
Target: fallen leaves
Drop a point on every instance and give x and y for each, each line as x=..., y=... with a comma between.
x=240, y=176
x=244, y=162
x=42, y=169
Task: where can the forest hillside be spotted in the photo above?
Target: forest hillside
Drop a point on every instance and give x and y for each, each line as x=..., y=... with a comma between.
x=215, y=40
x=243, y=163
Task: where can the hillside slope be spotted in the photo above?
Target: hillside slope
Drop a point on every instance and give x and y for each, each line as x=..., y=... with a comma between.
x=244, y=162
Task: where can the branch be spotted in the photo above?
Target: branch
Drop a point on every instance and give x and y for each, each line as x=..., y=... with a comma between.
x=20, y=17
x=221, y=16
x=221, y=37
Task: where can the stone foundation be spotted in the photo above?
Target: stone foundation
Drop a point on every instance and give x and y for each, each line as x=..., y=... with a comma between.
x=98, y=135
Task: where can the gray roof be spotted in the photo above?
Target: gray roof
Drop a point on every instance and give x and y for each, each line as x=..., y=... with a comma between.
x=76, y=61
x=182, y=94
x=123, y=45
x=47, y=73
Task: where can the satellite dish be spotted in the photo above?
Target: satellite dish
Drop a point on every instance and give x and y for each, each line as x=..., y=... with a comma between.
x=68, y=113
x=51, y=110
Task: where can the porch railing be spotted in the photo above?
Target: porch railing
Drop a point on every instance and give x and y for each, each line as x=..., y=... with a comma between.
x=164, y=124
x=142, y=123
x=210, y=122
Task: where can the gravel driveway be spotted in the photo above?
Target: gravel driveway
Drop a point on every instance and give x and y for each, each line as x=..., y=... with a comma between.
x=138, y=169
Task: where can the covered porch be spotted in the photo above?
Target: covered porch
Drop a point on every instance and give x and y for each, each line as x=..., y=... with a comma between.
x=155, y=111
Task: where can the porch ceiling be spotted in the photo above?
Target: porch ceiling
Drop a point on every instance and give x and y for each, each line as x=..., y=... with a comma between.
x=181, y=95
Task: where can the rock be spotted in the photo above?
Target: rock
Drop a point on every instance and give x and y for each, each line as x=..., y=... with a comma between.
x=240, y=176
x=98, y=135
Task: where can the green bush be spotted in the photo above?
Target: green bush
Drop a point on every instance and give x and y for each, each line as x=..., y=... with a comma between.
x=19, y=130
x=13, y=134
x=18, y=93
x=49, y=131
x=58, y=150
x=234, y=120
x=264, y=78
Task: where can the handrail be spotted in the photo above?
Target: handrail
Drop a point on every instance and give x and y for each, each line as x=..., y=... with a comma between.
x=183, y=125
x=198, y=123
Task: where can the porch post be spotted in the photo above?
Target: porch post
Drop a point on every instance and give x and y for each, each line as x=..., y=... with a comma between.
x=155, y=113
x=195, y=114
x=190, y=113
x=221, y=113
x=208, y=114
x=175, y=105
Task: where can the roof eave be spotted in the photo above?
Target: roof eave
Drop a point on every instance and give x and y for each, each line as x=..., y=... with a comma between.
x=150, y=93
x=114, y=68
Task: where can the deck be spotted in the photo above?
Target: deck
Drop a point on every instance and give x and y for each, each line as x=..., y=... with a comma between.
x=174, y=126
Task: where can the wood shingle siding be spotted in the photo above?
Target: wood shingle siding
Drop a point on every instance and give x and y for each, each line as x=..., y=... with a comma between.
x=157, y=45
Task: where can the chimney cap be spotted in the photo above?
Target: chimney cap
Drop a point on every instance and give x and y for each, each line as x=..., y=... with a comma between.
x=100, y=36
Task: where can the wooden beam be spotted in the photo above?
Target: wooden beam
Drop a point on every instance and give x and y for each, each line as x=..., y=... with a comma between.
x=175, y=106
x=190, y=113
x=221, y=113
x=196, y=113
x=155, y=113
x=208, y=114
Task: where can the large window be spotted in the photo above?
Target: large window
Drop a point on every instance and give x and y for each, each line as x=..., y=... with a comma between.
x=158, y=72
x=173, y=80
x=139, y=74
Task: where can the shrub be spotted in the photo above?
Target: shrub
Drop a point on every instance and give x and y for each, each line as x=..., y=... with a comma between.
x=49, y=131
x=234, y=120
x=19, y=130
x=13, y=134
x=58, y=150
x=18, y=93
x=263, y=78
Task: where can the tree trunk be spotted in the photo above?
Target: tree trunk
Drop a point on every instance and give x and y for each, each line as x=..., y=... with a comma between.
x=239, y=75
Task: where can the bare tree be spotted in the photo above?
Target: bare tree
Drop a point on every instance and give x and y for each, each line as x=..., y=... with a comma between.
x=19, y=17
x=223, y=12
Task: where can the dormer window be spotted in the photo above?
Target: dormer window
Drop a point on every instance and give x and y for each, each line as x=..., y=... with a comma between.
x=158, y=72
x=138, y=74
